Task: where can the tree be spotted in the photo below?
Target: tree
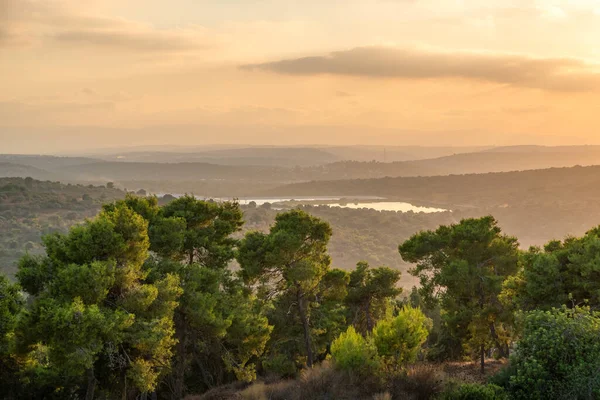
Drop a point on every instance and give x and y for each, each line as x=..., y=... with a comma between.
x=218, y=326
x=11, y=303
x=557, y=356
x=398, y=340
x=354, y=353
x=100, y=323
x=208, y=230
x=290, y=264
x=369, y=292
x=562, y=273
x=463, y=266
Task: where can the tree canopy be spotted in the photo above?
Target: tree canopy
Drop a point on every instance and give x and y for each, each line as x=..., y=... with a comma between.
x=463, y=267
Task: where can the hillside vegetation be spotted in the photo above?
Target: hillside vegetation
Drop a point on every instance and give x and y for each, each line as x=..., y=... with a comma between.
x=30, y=209
x=139, y=302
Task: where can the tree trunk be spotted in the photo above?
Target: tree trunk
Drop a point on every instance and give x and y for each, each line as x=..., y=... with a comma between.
x=502, y=348
x=482, y=359
x=368, y=317
x=307, y=343
x=91, y=386
x=124, y=396
x=179, y=367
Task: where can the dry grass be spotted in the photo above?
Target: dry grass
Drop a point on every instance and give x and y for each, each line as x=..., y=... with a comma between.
x=382, y=396
x=469, y=372
x=422, y=381
x=226, y=392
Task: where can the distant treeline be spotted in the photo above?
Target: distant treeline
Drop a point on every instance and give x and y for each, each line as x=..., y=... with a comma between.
x=238, y=173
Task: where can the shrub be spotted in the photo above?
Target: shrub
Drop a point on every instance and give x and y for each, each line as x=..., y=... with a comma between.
x=258, y=391
x=280, y=366
x=558, y=356
x=399, y=340
x=418, y=382
x=352, y=352
x=474, y=391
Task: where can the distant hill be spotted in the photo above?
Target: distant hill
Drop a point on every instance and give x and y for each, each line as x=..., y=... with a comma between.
x=536, y=205
x=265, y=156
x=280, y=156
x=250, y=171
x=508, y=159
x=542, y=149
x=397, y=153
x=505, y=189
x=44, y=161
x=13, y=170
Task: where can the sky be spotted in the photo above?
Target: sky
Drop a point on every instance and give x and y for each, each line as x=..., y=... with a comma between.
x=84, y=74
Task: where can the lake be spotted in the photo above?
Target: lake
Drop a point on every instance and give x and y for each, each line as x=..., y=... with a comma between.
x=367, y=202
x=356, y=202
x=389, y=206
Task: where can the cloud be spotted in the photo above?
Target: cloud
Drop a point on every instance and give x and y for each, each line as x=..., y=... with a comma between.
x=65, y=24
x=130, y=40
x=559, y=74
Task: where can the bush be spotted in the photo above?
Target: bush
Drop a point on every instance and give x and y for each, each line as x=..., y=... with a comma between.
x=352, y=352
x=473, y=391
x=280, y=366
x=558, y=356
x=418, y=382
x=399, y=340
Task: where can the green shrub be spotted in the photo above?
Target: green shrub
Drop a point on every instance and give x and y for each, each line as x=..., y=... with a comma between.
x=558, y=356
x=474, y=391
x=399, y=340
x=352, y=352
x=280, y=365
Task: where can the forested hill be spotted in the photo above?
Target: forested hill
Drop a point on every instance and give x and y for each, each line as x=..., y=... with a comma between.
x=536, y=206
x=30, y=209
x=225, y=174
x=575, y=185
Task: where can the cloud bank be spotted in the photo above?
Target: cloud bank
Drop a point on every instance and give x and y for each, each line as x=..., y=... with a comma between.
x=558, y=74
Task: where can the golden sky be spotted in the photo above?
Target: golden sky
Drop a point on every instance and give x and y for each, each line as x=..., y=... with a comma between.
x=79, y=74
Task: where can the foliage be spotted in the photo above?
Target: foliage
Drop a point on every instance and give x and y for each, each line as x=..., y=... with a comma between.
x=562, y=273
x=92, y=310
x=11, y=304
x=399, y=340
x=474, y=391
x=30, y=209
x=369, y=292
x=146, y=299
x=352, y=352
x=291, y=266
x=557, y=355
x=219, y=325
x=463, y=267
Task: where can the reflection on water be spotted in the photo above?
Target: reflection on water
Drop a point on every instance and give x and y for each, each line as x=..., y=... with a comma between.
x=389, y=206
x=263, y=200
x=356, y=202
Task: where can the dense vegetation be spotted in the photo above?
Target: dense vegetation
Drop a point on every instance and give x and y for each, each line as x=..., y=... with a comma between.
x=535, y=206
x=30, y=209
x=139, y=302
